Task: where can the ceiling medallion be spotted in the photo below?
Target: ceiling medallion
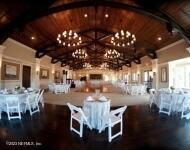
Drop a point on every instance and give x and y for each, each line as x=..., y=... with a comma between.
x=104, y=66
x=87, y=66
x=79, y=53
x=69, y=39
x=112, y=54
x=123, y=39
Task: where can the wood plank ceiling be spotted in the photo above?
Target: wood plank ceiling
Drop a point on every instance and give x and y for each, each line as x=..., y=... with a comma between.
x=169, y=20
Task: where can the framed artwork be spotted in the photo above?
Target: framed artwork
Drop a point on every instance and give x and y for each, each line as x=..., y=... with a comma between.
x=163, y=74
x=10, y=71
x=44, y=73
x=57, y=75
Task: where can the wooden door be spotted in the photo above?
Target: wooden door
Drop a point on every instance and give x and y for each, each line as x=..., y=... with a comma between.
x=26, y=76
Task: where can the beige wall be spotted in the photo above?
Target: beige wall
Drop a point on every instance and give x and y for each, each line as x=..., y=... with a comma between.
x=107, y=74
x=169, y=53
x=23, y=55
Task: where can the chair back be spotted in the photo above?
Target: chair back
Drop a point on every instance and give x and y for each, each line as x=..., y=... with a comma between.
x=12, y=100
x=75, y=109
x=32, y=98
x=166, y=97
x=119, y=112
x=40, y=96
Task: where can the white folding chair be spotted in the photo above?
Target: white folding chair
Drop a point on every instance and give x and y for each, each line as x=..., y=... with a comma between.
x=152, y=97
x=78, y=115
x=58, y=89
x=13, y=106
x=185, y=113
x=32, y=103
x=115, y=117
x=40, y=98
x=166, y=103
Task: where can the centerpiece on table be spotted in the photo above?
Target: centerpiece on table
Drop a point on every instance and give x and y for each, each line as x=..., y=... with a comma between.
x=172, y=88
x=17, y=87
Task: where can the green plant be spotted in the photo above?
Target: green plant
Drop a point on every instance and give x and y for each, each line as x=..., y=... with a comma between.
x=17, y=87
x=172, y=88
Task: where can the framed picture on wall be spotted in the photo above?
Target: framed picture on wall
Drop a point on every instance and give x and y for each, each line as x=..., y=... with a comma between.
x=163, y=74
x=10, y=71
x=44, y=73
x=57, y=75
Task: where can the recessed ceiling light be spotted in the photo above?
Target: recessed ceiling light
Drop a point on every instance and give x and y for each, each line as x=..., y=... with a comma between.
x=159, y=38
x=85, y=15
x=106, y=15
x=32, y=37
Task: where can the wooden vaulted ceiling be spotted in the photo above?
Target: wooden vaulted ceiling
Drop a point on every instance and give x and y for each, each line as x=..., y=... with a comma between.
x=45, y=19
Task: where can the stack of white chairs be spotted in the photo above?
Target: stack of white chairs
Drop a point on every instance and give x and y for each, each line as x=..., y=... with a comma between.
x=32, y=103
x=13, y=106
x=78, y=115
x=166, y=103
x=114, y=117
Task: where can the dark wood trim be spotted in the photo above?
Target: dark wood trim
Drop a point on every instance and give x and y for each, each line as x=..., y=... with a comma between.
x=36, y=14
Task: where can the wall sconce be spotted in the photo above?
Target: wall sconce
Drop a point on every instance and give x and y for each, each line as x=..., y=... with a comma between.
x=37, y=71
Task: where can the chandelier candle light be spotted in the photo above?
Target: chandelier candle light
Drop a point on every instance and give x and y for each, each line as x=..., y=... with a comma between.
x=104, y=66
x=79, y=53
x=112, y=54
x=87, y=66
x=69, y=39
x=123, y=39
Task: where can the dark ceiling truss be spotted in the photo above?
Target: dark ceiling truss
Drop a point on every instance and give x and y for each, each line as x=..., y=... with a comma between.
x=36, y=14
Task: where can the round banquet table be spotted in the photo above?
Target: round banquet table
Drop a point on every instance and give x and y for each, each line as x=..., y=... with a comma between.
x=95, y=110
x=22, y=101
x=175, y=97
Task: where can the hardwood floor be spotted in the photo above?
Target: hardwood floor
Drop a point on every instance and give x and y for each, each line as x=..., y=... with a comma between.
x=144, y=128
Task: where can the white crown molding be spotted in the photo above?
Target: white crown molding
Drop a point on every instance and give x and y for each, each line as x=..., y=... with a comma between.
x=12, y=59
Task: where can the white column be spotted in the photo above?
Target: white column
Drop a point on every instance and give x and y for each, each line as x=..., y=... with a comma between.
x=129, y=76
x=1, y=58
x=139, y=73
x=37, y=74
x=155, y=74
x=52, y=73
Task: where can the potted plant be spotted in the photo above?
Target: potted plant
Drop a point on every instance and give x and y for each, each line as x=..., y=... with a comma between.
x=17, y=87
x=172, y=88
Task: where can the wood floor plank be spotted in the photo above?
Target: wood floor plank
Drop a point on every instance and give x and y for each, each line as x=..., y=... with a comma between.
x=144, y=128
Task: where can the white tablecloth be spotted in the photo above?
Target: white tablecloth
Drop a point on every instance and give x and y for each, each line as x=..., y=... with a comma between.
x=59, y=88
x=95, y=110
x=22, y=100
x=176, y=98
x=135, y=89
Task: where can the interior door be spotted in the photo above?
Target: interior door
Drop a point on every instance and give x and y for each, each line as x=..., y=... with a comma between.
x=26, y=76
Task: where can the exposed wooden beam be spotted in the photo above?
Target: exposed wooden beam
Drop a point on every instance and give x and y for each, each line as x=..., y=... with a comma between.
x=36, y=14
x=40, y=53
